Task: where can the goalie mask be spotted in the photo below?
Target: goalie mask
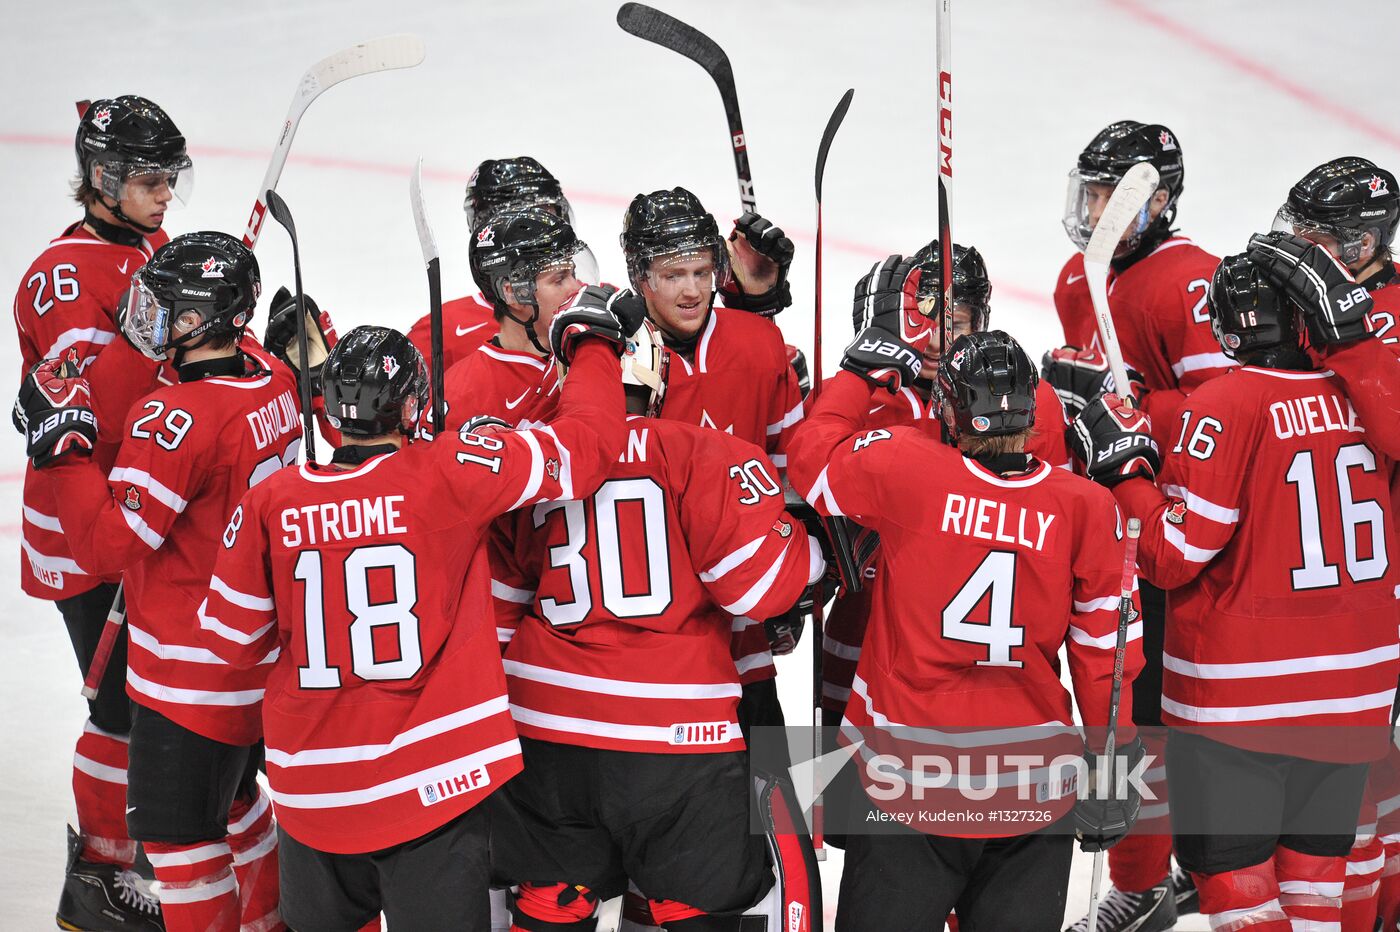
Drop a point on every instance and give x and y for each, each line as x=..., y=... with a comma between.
x=375, y=383
x=197, y=287
x=986, y=386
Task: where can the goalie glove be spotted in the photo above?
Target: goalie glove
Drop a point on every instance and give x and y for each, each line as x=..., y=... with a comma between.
x=1101, y=822
x=1114, y=442
x=58, y=416
x=596, y=311
x=1334, y=305
x=887, y=297
x=280, y=338
x=882, y=359
x=756, y=250
x=1078, y=376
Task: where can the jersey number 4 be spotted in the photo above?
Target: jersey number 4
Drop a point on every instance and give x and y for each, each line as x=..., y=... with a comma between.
x=995, y=579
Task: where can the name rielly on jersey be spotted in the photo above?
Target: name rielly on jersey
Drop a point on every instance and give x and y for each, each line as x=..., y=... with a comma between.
x=989, y=519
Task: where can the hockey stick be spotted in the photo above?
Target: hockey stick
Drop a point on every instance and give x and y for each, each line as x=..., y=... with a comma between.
x=943, y=305
x=101, y=657
x=278, y=208
x=385, y=54
x=665, y=30
x=1120, y=649
x=1129, y=199
x=434, y=266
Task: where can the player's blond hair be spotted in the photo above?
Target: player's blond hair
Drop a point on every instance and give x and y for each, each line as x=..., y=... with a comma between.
x=974, y=445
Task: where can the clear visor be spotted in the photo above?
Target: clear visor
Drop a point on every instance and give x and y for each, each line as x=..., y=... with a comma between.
x=690, y=271
x=552, y=281
x=1343, y=243
x=145, y=321
x=1085, y=199
x=170, y=181
x=556, y=204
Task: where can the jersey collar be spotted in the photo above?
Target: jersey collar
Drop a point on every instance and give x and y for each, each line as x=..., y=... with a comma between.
x=1385, y=275
x=1037, y=472
x=228, y=367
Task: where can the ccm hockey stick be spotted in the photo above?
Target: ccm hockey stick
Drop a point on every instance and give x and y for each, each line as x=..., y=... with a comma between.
x=943, y=304
x=1129, y=200
x=385, y=54
x=278, y=208
x=665, y=30
x=434, y=266
x=1120, y=649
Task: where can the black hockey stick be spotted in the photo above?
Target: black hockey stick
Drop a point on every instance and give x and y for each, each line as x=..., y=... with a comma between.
x=434, y=265
x=944, y=62
x=278, y=208
x=665, y=30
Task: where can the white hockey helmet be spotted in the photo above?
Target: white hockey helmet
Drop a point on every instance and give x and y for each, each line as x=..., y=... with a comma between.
x=645, y=363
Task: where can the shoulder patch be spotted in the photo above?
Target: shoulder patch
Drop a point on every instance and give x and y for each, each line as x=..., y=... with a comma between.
x=1176, y=512
x=133, y=498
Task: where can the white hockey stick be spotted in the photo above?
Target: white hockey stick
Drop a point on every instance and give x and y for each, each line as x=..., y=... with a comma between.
x=385, y=54
x=1129, y=199
x=433, y=264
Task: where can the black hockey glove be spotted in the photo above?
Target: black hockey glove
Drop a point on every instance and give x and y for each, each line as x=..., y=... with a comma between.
x=798, y=360
x=882, y=359
x=1078, y=376
x=887, y=297
x=763, y=246
x=280, y=338
x=58, y=412
x=1334, y=305
x=1100, y=823
x=485, y=424
x=1114, y=442
x=591, y=312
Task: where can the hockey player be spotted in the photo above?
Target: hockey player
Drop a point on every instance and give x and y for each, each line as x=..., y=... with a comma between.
x=730, y=368
x=132, y=167
x=933, y=660
x=386, y=718
x=1157, y=291
x=496, y=184
x=1272, y=530
x=528, y=262
x=621, y=680
x=189, y=452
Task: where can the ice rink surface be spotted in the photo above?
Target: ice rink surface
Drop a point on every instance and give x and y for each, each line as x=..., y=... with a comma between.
x=1257, y=91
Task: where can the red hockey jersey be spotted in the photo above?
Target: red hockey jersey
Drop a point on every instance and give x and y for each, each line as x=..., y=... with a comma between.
x=631, y=591
x=190, y=452
x=986, y=578
x=66, y=301
x=1159, y=308
x=466, y=324
x=1276, y=543
x=496, y=381
x=386, y=712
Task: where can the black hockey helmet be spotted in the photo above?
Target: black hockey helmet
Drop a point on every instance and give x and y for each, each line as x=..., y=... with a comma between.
x=1107, y=158
x=368, y=377
x=1345, y=199
x=971, y=285
x=1247, y=314
x=512, y=184
x=130, y=136
x=212, y=274
x=669, y=223
x=986, y=386
x=513, y=247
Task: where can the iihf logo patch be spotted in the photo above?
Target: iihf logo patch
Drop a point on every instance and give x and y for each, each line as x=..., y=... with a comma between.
x=430, y=793
x=783, y=528
x=391, y=366
x=133, y=498
x=1165, y=138
x=102, y=119
x=1378, y=186
x=486, y=236
x=213, y=267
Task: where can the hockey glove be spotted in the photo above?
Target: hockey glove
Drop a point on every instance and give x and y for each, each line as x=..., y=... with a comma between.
x=1078, y=376
x=280, y=338
x=1334, y=305
x=887, y=297
x=57, y=411
x=1100, y=823
x=882, y=359
x=485, y=424
x=1114, y=442
x=798, y=360
x=759, y=253
x=591, y=312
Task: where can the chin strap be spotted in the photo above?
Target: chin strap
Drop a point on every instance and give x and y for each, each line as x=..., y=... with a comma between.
x=529, y=327
x=113, y=232
x=1155, y=235
x=116, y=208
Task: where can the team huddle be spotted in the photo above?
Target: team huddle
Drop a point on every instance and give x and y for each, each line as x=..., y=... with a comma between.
x=502, y=656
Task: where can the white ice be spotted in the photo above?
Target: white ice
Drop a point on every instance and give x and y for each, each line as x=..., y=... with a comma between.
x=1258, y=91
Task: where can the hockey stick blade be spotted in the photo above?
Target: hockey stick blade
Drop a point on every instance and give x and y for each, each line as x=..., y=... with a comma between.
x=283, y=215
x=832, y=125
x=420, y=214
x=1129, y=198
x=383, y=54
x=433, y=264
x=665, y=30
